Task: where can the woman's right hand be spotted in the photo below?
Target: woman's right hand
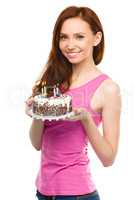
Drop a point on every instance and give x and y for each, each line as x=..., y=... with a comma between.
x=28, y=105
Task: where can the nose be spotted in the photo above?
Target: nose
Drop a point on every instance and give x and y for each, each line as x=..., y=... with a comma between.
x=70, y=44
x=70, y=48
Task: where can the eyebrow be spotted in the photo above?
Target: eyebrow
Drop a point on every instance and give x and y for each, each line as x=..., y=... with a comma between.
x=73, y=34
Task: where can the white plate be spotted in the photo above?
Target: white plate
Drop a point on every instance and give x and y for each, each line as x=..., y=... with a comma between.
x=50, y=118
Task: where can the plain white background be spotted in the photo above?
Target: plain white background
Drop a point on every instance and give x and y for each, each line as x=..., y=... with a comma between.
x=25, y=42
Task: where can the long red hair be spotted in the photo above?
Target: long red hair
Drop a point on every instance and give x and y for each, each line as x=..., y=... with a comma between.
x=58, y=68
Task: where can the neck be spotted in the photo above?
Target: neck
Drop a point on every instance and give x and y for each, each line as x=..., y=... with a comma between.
x=82, y=68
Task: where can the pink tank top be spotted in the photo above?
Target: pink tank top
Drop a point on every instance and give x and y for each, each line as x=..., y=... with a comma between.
x=64, y=168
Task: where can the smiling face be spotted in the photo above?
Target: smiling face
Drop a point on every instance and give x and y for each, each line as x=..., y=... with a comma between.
x=77, y=40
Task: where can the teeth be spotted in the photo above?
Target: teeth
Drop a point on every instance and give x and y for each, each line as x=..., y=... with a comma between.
x=73, y=54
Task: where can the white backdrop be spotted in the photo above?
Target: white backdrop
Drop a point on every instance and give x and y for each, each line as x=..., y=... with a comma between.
x=25, y=40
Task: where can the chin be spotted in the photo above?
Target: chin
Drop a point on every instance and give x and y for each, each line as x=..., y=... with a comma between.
x=75, y=61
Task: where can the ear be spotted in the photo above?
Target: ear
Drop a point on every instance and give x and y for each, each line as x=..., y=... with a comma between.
x=98, y=37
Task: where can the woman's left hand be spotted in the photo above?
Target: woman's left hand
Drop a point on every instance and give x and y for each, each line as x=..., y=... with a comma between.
x=79, y=114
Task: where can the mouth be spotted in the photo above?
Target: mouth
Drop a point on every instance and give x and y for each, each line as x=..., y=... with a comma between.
x=72, y=54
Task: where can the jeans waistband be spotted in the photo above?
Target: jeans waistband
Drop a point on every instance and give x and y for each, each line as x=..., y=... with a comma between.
x=76, y=196
x=89, y=194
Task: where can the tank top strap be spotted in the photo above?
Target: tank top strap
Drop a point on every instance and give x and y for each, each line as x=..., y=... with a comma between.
x=92, y=87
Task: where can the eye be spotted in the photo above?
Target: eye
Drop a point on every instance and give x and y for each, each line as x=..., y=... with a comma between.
x=62, y=37
x=80, y=36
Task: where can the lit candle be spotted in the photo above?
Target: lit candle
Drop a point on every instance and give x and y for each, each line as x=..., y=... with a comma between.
x=55, y=91
x=45, y=89
x=42, y=89
x=38, y=82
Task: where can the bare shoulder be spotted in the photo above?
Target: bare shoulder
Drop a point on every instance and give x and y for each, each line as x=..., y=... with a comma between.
x=107, y=93
x=110, y=87
x=111, y=93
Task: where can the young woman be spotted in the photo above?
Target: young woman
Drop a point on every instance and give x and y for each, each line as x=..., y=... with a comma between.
x=77, y=49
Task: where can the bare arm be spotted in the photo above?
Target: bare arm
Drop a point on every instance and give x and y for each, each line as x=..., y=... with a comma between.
x=36, y=129
x=35, y=133
x=106, y=145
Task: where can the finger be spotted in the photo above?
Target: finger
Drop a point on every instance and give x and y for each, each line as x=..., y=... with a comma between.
x=78, y=111
x=73, y=118
x=29, y=102
x=30, y=99
x=28, y=113
x=28, y=108
x=68, y=119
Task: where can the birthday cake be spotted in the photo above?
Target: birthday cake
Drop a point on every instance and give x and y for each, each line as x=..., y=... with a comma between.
x=52, y=104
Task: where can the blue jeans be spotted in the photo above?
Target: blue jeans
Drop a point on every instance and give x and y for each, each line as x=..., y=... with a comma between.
x=91, y=196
